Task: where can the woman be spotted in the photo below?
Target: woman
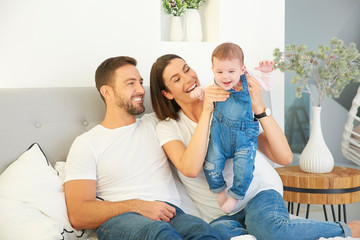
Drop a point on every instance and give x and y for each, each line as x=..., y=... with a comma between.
x=183, y=133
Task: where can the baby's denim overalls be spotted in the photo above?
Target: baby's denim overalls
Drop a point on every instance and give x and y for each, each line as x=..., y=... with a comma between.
x=233, y=134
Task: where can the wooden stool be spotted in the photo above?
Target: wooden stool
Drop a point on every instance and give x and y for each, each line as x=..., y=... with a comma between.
x=339, y=187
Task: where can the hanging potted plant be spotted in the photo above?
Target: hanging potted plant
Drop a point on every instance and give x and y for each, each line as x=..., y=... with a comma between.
x=330, y=70
x=176, y=8
x=193, y=26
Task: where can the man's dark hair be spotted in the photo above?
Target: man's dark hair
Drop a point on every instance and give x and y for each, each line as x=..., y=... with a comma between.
x=105, y=73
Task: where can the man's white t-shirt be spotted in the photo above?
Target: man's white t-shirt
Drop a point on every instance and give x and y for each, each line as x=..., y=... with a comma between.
x=127, y=163
x=265, y=176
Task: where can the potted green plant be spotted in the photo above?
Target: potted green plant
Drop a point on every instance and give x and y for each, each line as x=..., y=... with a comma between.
x=176, y=8
x=330, y=69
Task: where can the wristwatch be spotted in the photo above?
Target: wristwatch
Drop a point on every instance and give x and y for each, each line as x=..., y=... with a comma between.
x=267, y=112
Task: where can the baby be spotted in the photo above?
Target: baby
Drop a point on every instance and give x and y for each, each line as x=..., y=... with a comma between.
x=234, y=131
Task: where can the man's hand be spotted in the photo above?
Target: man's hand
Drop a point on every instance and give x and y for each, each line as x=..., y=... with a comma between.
x=86, y=213
x=265, y=66
x=157, y=211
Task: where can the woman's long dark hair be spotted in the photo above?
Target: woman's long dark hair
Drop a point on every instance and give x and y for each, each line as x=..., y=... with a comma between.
x=162, y=106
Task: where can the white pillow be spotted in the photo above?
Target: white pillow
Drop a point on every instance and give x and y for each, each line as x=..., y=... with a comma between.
x=19, y=221
x=32, y=201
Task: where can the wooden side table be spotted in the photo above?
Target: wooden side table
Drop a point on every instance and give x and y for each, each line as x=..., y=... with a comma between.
x=339, y=187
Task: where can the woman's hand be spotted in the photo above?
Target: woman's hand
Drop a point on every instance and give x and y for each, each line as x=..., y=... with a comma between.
x=189, y=159
x=213, y=94
x=255, y=95
x=272, y=142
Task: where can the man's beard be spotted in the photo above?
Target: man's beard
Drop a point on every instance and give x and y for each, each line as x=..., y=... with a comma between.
x=128, y=106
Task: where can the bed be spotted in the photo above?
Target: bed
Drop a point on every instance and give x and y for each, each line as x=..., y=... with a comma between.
x=38, y=126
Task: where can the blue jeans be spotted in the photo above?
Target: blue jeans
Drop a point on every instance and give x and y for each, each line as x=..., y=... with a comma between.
x=231, y=139
x=267, y=218
x=134, y=226
x=233, y=134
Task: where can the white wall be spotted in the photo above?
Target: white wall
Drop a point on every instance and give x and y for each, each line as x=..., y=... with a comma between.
x=46, y=43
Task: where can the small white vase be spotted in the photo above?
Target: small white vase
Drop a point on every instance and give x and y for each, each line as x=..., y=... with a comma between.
x=316, y=156
x=193, y=28
x=176, y=29
x=211, y=23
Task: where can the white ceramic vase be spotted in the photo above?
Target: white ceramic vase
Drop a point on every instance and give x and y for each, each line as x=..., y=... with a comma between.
x=193, y=28
x=316, y=156
x=211, y=23
x=176, y=29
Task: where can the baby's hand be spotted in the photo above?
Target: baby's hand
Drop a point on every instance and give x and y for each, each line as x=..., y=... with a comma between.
x=197, y=93
x=265, y=66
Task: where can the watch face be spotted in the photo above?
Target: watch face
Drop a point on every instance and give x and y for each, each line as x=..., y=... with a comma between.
x=268, y=111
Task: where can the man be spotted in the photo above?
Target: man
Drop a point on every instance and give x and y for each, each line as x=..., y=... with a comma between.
x=117, y=177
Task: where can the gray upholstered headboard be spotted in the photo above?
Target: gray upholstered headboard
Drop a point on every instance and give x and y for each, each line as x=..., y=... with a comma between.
x=52, y=117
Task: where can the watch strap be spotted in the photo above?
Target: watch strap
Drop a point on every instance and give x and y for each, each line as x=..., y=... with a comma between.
x=261, y=115
x=265, y=113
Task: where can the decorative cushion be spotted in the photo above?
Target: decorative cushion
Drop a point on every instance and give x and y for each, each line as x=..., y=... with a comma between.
x=32, y=201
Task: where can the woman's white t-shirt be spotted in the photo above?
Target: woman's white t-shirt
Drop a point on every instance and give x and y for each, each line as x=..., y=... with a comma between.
x=265, y=176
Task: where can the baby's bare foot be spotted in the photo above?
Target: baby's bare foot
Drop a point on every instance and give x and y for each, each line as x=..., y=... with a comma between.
x=229, y=205
x=222, y=197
